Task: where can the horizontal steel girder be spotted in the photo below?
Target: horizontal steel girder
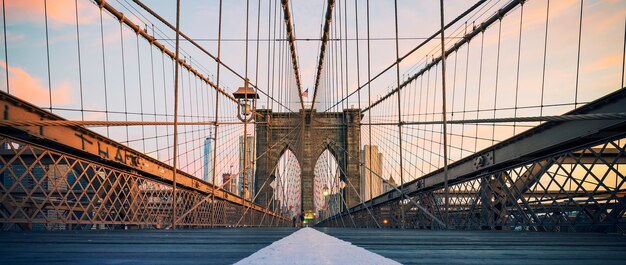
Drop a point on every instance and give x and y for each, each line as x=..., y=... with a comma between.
x=81, y=142
x=541, y=141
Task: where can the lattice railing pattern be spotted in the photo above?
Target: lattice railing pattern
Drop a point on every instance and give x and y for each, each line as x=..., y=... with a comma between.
x=581, y=190
x=41, y=189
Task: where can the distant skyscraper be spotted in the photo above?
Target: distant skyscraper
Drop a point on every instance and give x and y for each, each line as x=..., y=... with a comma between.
x=251, y=155
x=229, y=182
x=334, y=203
x=371, y=173
x=390, y=185
x=208, y=158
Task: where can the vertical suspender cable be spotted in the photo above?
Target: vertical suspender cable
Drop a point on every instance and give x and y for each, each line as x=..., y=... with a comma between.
x=545, y=51
x=480, y=82
x=580, y=31
x=624, y=55
x=244, y=186
x=443, y=114
x=217, y=99
x=154, y=104
x=345, y=26
x=124, y=79
x=104, y=75
x=175, y=114
x=6, y=53
x=256, y=81
x=80, y=71
x=358, y=77
x=399, y=108
x=143, y=134
x=495, y=95
x=519, y=56
x=45, y=8
x=369, y=92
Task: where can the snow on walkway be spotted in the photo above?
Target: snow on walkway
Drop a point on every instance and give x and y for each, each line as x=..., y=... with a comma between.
x=309, y=246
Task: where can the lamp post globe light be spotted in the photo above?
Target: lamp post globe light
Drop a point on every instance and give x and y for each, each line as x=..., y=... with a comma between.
x=246, y=98
x=246, y=105
x=325, y=191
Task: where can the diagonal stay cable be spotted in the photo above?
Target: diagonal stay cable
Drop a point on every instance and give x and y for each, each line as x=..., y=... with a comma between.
x=360, y=198
x=216, y=59
x=479, y=29
x=424, y=42
x=125, y=20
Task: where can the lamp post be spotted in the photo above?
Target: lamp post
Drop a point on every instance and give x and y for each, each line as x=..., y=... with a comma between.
x=246, y=99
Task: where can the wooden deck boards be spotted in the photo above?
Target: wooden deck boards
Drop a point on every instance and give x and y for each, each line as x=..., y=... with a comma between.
x=487, y=247
x=228, y=245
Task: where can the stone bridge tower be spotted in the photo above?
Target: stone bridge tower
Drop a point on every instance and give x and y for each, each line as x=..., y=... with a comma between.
x=308, y=134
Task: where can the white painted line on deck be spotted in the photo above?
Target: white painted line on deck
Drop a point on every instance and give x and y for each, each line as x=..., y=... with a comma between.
x=309, y=246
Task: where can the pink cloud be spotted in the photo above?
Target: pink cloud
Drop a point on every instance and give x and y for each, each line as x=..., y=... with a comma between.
x=60, y=12
x=604, y=63
x=25, y=86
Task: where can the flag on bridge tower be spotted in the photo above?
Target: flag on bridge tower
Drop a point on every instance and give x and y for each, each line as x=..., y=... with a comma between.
x=305, y=93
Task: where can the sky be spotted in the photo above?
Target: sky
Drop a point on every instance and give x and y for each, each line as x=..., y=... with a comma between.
x=81, y=64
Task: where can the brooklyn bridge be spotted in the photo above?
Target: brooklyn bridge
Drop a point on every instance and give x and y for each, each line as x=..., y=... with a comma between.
x=313, y=132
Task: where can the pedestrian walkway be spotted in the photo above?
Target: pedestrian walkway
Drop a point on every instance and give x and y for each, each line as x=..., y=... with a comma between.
x=309, y=246
x=411, y=246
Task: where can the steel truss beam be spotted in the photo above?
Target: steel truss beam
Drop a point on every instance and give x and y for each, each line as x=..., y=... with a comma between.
x=90, y=146
x=507, y=174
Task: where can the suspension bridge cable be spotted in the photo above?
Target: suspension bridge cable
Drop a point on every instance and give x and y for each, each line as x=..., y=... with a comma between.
x=400, y=147
x=104, y=75
x=444, y=115
x=124, y=79
x=292, y=47
x=45, y=11
x=154, y=102
x=361, y=163
x=434, y=35
x=495, y=96
x=174, y=155
x=124, y=20
x=80, y=71
x=280, y=141
x=545, y=51
x=463, y=41
x=320, y=63
x=6, y=53
x=200, y=47
x=580, y=32
x=517, y=70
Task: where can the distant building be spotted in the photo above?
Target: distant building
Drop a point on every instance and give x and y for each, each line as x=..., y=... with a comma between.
x=251, y=156
x=389, y=185
x=208, y=158
x=371, y=173
x=230, y=182
x=334, y=203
